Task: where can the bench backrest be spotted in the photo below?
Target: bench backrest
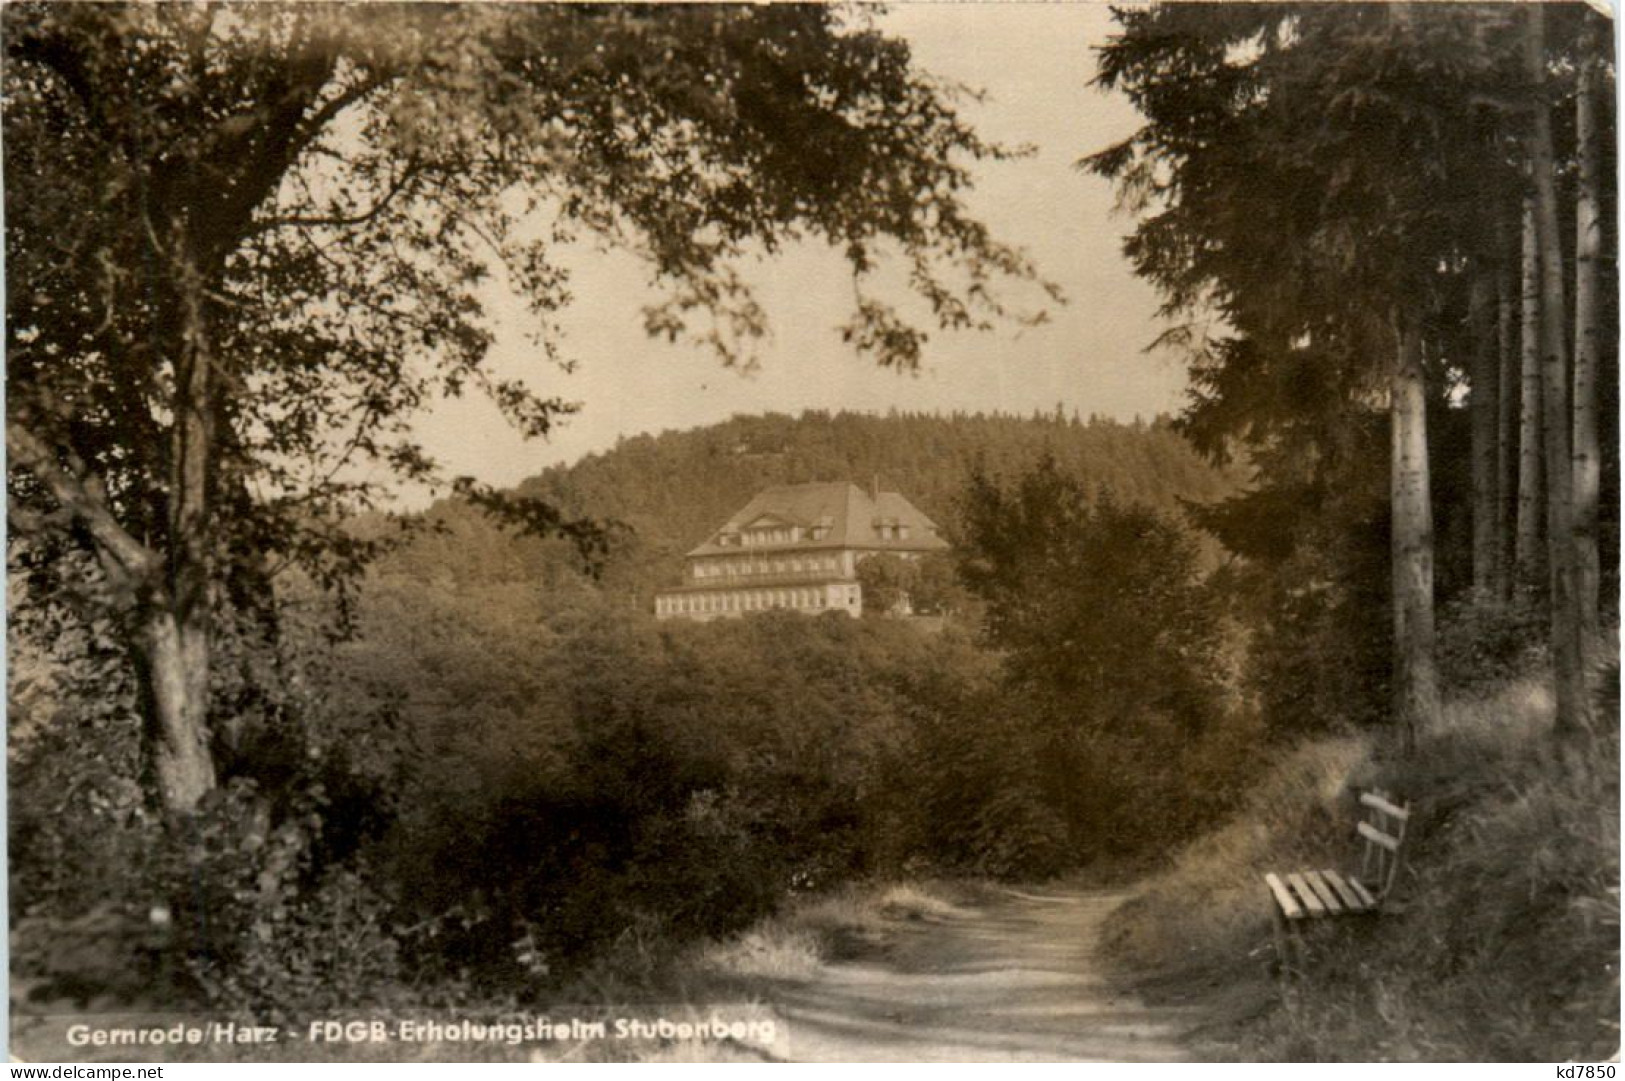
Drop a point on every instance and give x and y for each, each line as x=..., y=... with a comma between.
x=1382, y=826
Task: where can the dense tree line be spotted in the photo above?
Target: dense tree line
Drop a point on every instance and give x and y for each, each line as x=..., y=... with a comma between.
x=668, y=492
x=1363, y=193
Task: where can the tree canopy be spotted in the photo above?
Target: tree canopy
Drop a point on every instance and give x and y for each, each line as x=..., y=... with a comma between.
x=245, y=244
x=1339, y=184
x=1303, y=170
x=1097, y=602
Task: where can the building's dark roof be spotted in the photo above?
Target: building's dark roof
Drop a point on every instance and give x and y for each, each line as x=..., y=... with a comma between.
x=852, y=515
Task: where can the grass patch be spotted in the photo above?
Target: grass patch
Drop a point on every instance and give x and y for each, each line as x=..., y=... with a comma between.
x=1207, y=912
x=1508, y=944
x=773, y=950
x=850, y=923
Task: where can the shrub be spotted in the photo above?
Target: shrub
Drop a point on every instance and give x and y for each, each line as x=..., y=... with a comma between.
x=1484, y=642
x=115, y=954
x=1114, y=668
x=78, y=826
x=658, y=781
x=256, y=926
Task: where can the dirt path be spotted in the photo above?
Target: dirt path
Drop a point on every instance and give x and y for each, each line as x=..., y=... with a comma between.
x=1012, y=979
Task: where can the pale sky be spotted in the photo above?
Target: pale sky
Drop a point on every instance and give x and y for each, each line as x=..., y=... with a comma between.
x=1034, y=62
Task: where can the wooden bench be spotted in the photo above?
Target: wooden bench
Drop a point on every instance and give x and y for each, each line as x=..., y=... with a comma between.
x=1303, y=897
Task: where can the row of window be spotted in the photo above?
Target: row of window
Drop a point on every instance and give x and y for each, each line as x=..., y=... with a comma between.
x=751, y=601
x=785, y=535
x=777, y=565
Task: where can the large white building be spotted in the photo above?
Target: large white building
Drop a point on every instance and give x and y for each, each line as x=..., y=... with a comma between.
x=797, y=546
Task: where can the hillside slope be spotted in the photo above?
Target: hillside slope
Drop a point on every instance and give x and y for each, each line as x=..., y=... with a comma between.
x=671, y=489
x=1504, y=943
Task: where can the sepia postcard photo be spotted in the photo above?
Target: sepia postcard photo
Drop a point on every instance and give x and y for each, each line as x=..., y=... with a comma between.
x=944, y=532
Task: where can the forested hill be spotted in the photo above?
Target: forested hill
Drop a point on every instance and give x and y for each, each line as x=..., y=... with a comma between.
x=672, y=489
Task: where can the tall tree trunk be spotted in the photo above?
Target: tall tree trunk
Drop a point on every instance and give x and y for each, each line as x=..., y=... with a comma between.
x=1573, y=704
x=172, y=656
x=1506, y=434
x=171, y=647
x=1485, y=405
x=1587, y=350
x=175, y=643
x=1531, y=488
x=1416, y=685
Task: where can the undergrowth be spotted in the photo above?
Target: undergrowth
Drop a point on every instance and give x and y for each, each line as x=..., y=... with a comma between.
x=849, y=923
x=1506, y=943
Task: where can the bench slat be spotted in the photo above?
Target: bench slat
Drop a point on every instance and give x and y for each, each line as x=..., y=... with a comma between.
x=1314, y=904
x=1283, y=897
x=1365, y=894
x=1351, y=900
x=1377, y=837
x=1377, y=801
x=1327, y=897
